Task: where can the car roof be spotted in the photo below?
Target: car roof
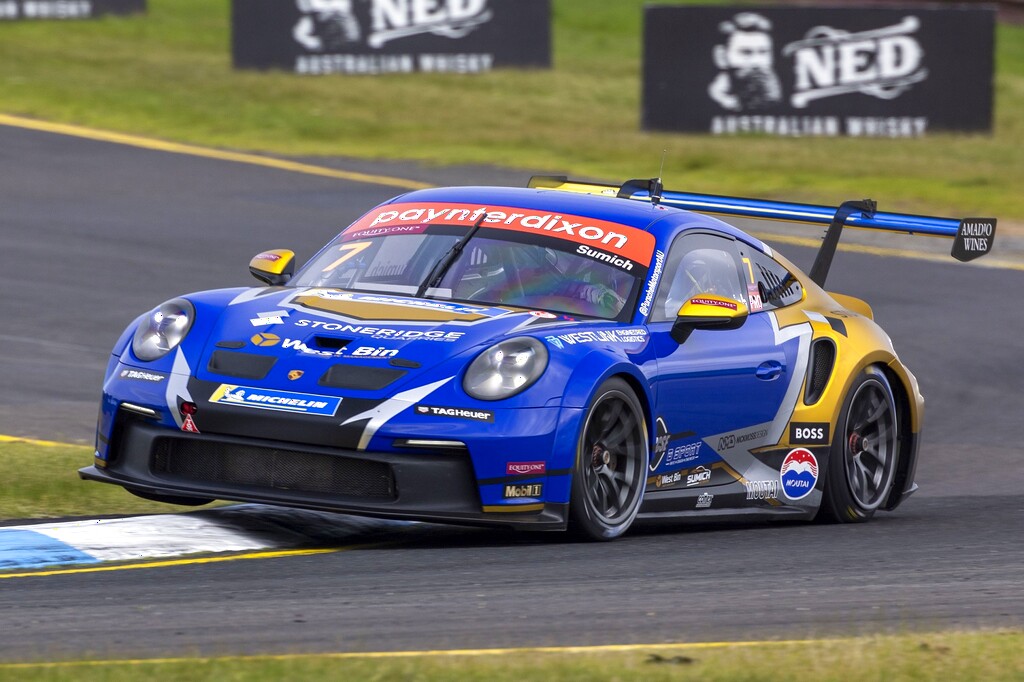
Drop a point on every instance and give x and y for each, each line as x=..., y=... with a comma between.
x=642, y=215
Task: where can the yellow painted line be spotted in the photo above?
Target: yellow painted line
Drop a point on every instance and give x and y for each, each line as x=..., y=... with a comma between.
x=207, y=153
x=887, y=252
x=183, y=562
x=43, y=443
x=436, y=653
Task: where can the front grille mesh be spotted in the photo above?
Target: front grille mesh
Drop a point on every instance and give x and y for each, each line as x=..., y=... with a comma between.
x=263, y=467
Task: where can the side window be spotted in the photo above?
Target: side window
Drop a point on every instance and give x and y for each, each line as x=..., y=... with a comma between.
x=698, y=263
x=774, y=284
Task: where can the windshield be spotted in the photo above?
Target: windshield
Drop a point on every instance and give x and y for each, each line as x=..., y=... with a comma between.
x=495, y=266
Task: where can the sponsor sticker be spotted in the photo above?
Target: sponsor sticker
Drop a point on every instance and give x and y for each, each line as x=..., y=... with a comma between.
x=280, y=401
x=715, y=302
x=663, y=480
x=699, y=475
x=809, y=433
x=522, y=468
x=456, y=412
x=139, y=375
x=527, y=490
x=621, y=240
x=652, y=282
x=264, y=319
x=265, y=339
x=762, y=490
x=681, y=454
x=754, y=296
x=636, y=335
x=382, y=332
x=661, y=442
x=704, y=500
x=799, y=473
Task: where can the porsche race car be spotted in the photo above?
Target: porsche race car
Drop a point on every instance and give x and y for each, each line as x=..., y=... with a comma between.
x=566, y=355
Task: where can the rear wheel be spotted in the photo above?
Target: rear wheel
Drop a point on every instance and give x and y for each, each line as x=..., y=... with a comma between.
x=611, y=464
x=865, y=449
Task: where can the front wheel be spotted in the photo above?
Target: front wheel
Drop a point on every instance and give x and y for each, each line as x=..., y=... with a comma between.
x=865, y=449
x=611, y=464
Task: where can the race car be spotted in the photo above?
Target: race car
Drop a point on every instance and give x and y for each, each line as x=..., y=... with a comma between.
x=565, y=355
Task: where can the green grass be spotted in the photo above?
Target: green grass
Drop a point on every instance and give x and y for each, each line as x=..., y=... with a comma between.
x=985, y=657
x=45, y=484
x=168, y=74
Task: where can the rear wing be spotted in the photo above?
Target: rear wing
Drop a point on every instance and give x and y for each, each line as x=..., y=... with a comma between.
x=972, y=237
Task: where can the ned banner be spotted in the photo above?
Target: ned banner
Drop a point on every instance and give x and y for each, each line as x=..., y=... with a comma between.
x=390, y=36
x=797, y=71
x=17, y=10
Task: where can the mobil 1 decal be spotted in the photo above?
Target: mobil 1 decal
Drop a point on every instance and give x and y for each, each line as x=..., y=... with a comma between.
x=373, y=37
x=819, y=71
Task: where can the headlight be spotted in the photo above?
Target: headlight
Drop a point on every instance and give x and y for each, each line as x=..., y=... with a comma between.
x=163, y=329
x=506, y=368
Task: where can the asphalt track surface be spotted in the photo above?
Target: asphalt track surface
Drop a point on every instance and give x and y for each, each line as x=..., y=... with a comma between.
x=94, y=234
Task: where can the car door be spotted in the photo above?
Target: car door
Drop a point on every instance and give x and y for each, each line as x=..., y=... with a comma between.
x=718, y=392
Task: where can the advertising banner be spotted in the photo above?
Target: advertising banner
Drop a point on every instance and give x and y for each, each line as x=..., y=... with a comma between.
x=390, y=36
x=801, y=71
x=17, y=10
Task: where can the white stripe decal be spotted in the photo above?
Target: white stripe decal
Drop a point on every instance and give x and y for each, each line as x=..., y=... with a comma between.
x=380, y=414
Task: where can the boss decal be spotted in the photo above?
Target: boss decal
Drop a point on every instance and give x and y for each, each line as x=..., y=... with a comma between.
x=809, y=433
x=281, y=401
x=457, y=412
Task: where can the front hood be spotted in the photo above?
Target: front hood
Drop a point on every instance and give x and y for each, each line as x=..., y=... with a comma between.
x=314, y=337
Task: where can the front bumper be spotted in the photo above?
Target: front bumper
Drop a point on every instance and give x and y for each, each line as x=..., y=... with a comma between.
x=436, y=485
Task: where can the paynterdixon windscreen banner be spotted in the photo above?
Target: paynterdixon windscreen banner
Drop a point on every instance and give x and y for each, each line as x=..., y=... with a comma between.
x=390, y=36
x=802, y=71
x=31, y=10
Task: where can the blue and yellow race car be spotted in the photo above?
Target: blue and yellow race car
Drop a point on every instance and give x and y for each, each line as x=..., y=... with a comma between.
x=563, y=355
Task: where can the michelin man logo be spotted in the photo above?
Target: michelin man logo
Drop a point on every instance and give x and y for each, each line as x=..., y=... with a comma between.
x=325, y=25
x=747, y=81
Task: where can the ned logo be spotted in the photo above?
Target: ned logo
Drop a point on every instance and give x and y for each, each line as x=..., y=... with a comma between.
x=331, y=25
x=883, y=63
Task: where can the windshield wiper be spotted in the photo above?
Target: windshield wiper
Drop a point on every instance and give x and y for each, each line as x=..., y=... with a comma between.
x=440, y=268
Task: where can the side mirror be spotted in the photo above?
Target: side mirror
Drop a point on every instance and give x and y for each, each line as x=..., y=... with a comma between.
x=274, y=267
x=708, y=311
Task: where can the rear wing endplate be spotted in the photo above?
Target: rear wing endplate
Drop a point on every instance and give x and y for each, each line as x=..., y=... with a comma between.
x=972, y=237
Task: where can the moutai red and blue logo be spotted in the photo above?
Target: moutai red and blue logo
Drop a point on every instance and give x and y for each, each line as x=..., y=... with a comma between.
x=799, y=473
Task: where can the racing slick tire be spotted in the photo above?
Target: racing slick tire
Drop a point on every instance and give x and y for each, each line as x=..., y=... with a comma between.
x=611, y=464
x=865, y=451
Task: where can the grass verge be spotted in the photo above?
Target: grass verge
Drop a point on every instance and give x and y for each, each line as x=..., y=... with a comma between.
x=982, y=656
x=46, y=485
x=168, y=74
